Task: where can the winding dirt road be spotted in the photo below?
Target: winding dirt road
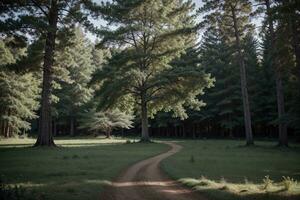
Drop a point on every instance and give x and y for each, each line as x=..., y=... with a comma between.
x=145, y=181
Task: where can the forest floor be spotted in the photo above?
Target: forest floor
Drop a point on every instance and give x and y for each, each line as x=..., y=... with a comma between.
x=93, y=168
x=78, y=169
x=226, y=169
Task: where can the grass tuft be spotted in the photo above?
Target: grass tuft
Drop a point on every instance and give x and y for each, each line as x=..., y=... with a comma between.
x=288, y=183
x=267, y=183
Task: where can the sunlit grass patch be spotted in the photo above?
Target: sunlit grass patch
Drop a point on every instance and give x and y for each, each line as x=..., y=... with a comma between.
x=233, y=171
x=62, y=141
x=240, y=189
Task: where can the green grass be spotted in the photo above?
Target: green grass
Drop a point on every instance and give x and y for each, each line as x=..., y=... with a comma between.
x=76, y=170
x=225, y=169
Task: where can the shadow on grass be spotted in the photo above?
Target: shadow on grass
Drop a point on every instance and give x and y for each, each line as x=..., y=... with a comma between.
x=72, y=189
x=226, y=195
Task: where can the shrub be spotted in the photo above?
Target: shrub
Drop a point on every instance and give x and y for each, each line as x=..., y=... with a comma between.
x=288, y=183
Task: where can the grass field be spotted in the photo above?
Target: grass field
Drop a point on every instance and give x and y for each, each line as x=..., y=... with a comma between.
x=77, y=169
x=225, y=169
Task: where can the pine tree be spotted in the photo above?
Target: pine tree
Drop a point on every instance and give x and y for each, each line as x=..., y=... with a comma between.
x=44, y=18
x=18, y=91
x=234, y=17
x=278, y=77
x=74, y=92
x=286, y=14
x=150, y=35
x=224, y=99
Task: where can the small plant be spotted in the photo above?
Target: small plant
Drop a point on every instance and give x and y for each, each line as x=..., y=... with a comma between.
x=246, y=181
x=75, y=156
x=128, y=142
x=192, y=159
x=267, y=183
x=223, y=181
x=288, y=183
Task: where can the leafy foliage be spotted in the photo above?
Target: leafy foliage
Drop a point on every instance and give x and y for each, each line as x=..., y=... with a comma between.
x=106, y=121
x=19, y=92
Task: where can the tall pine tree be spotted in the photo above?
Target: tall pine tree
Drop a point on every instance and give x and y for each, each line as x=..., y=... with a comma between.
x=150, y=34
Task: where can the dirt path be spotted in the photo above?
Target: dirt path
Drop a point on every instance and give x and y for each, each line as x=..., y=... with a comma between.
x=145, y=181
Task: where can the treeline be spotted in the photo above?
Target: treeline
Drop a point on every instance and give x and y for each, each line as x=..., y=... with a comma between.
x=152, y=65
x=272, y=68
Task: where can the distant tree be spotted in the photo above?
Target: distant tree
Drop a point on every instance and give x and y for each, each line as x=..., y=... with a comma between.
x=18, y=91
x=234, y=16
x=74, y=92
x=44, y=18
x=286, y=14
x=106, y=121
x=150, y=34
x=273, y=60
x=224, y=99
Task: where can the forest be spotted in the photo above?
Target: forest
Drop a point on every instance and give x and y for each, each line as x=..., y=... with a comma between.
x=152, y=70
x=240, y=77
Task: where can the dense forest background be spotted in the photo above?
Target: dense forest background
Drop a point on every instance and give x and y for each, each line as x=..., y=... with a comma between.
x=232, y=64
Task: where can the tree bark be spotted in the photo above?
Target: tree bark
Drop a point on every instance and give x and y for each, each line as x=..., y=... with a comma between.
x=108, y=134
x=183, y=131
x=282, y=128
x=194, y=131
x=54, y=127
x=144, y=118
x=45, y=137
x=7, y=131
x=72, y=126
x=246, y=106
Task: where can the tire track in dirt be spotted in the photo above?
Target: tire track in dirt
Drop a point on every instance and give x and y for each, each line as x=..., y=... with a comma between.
x=145, y=180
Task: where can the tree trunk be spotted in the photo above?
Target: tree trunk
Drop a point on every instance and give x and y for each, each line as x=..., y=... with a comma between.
x=194, y=131
x=54, y=127
x=283, y=141
x=183, y=131
x=7, y=131
x=282, y=128
x=45, y=137
x=144, y=118
x=246, y=106
x=72, y=126
x=108, y=134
